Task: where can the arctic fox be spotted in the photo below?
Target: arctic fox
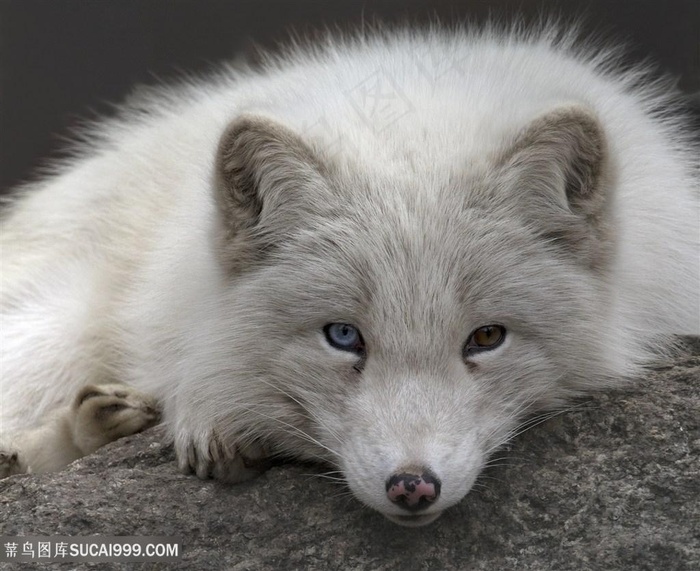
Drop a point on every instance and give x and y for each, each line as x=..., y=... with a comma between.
x=382, y=253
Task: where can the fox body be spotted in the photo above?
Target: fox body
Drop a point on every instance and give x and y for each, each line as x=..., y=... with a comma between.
x=382, y=253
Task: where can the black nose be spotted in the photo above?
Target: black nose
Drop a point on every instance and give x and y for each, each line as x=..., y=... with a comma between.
x=413, y=491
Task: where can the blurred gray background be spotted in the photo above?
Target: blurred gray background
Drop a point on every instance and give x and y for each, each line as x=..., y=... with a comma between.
x=64, y=61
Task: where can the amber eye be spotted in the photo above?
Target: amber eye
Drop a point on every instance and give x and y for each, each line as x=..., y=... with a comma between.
x=484, y=339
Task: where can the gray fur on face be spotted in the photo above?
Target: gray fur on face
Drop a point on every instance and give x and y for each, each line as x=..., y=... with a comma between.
x=416, y=267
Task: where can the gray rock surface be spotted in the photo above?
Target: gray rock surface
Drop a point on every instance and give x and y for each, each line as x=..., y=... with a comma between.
x=613, y=484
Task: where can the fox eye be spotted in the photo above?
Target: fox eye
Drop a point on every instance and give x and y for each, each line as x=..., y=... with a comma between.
x=345, y=337
x=484, y=339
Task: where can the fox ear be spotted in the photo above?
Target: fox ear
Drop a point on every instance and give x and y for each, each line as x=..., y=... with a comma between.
x=558, y=169
x=264, y=176
x=562, y=155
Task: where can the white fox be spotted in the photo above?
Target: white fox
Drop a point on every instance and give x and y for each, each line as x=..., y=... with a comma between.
x=382, y=253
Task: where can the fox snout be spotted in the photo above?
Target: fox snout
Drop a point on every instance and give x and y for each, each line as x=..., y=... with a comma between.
x=413, y=491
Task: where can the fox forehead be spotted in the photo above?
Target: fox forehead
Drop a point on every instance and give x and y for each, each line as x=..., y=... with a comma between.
x=427, y=270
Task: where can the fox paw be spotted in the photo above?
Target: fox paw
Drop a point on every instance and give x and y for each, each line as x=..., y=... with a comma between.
x=213, y=458
x=104, y=413
x=11, y=462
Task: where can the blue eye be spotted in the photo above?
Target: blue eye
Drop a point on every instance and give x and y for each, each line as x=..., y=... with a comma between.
x=345, y=337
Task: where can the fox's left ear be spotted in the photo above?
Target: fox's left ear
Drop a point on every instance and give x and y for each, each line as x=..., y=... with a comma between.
x=559, y=169
x=267, y=184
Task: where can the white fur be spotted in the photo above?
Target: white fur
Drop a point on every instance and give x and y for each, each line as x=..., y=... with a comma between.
x=109, y=268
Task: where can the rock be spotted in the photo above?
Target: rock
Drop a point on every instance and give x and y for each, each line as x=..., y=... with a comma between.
x=613, y=483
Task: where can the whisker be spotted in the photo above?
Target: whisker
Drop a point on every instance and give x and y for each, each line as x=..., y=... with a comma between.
x=333, y=479
x=312, y=418
x=343, y=495
x=497, y=464
x=517, y=412
x=296, y=430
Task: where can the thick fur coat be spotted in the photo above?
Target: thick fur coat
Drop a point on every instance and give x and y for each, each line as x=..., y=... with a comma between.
x=503, y=219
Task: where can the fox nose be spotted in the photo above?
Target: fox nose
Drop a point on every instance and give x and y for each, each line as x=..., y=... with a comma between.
x=413, y=491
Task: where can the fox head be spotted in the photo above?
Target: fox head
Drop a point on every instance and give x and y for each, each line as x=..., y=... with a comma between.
x=401, y=326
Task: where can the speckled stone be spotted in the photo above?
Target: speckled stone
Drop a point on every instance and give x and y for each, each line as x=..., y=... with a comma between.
x=612, y=484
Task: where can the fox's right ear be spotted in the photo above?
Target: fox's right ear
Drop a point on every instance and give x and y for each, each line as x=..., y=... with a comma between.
x=558, y=171
x=265, y=177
